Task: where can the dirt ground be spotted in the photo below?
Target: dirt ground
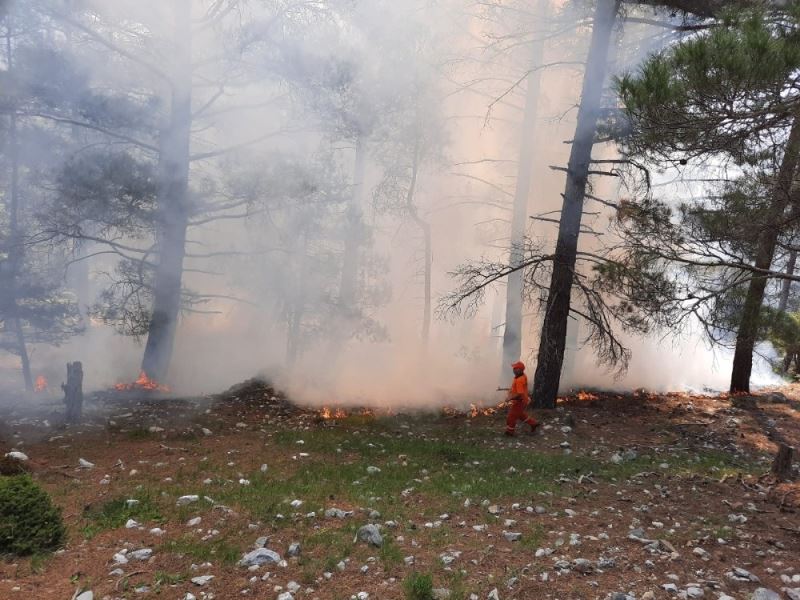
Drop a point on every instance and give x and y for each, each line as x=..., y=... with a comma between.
x=649, y=489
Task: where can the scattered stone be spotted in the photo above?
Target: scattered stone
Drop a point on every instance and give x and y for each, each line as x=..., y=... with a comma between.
x=85, y=464
x=131, y=524
x=202, y=579
x=739, y=574
x=776, y=398
x=583, y=566
x=373, y=470
x=493, y=595
x=371, y=535
x=606, y=563
x=511, y=536
x=695, y=592
x=194, y=521
x=296, y=503
x=87, y=595
x=285, y=596
x=142, y=554
x=258, y=557
x=184, y=500
x=17, y=455
x=337, y=513
x=670, y=588
x=744, y=402
x=294, y=550
x=792, y=593
x=441, y=594
x=765, y=594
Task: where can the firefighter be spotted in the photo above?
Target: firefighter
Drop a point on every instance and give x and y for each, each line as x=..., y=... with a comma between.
x=519, y=399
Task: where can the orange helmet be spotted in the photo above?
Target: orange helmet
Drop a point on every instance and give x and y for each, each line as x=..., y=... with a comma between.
x=518, y=365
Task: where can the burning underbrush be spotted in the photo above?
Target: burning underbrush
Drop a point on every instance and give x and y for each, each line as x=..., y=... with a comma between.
x=143, y=383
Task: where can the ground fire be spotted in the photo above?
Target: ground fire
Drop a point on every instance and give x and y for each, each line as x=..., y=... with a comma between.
x=41, y=384
x=142, y=383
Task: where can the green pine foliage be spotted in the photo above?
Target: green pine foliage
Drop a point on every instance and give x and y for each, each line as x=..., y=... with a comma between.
x=29, y=523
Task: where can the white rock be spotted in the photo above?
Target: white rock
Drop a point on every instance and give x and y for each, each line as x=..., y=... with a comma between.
x=85, y=464
x=131, y=524
x=194, y=521
x=202, y=579
x=184, y=500
x=17, y=455
x=258, y=557
x=88, y=595
x=296, y=503
x=142, y=554
x=373, y=470
x=765, y=594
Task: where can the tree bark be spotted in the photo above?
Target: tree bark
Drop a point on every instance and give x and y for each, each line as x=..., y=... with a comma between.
x=512, y=332
x=16, y=248
x=173, y=205
x=747, y=333
x=348, y=290
x=554, y=327
x=298, y=304
x=426, y=315
x=425, y=228
x=786, y=288
x=782, y=465
x=73, y=392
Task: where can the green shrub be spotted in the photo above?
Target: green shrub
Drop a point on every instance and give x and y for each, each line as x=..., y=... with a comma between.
x=419, y=586
x=12, y=466
x=29, y=523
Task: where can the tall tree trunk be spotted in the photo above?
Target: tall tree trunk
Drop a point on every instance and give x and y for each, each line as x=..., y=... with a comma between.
x=348, y=290
x=298, y=304
x=747, y=333
x=173, y=204
x=16, y=248
x=786, y=287
x=554, y=328
x=426, y=315
x=425, y=228
x=512, y=332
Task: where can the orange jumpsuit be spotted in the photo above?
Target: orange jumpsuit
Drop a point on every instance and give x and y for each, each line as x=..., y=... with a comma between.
x=516, y=412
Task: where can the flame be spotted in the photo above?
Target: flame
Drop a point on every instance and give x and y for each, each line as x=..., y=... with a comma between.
x=41, y=384
x=585, y=396
x=143, y=383
x=337, y=413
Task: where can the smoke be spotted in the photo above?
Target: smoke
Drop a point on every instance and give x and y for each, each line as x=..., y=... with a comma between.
x=291, y=92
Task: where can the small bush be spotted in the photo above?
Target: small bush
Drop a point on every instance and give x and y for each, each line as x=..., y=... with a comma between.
x=419, y=586
x=12, y=466
x=29, y=523
x=116, y=512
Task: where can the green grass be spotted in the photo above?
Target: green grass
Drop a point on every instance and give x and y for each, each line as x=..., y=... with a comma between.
x=533, y=538
x=418, y=586
x=338, y=458
x=217, y=550
x=140, y=433
x=115, y=513
x=162, y=578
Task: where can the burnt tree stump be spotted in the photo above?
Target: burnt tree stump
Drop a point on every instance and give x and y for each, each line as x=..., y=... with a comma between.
x=73, y=392
x=782, y=465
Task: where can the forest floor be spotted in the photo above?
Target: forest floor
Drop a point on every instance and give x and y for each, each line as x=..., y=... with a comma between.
x=648, y=490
